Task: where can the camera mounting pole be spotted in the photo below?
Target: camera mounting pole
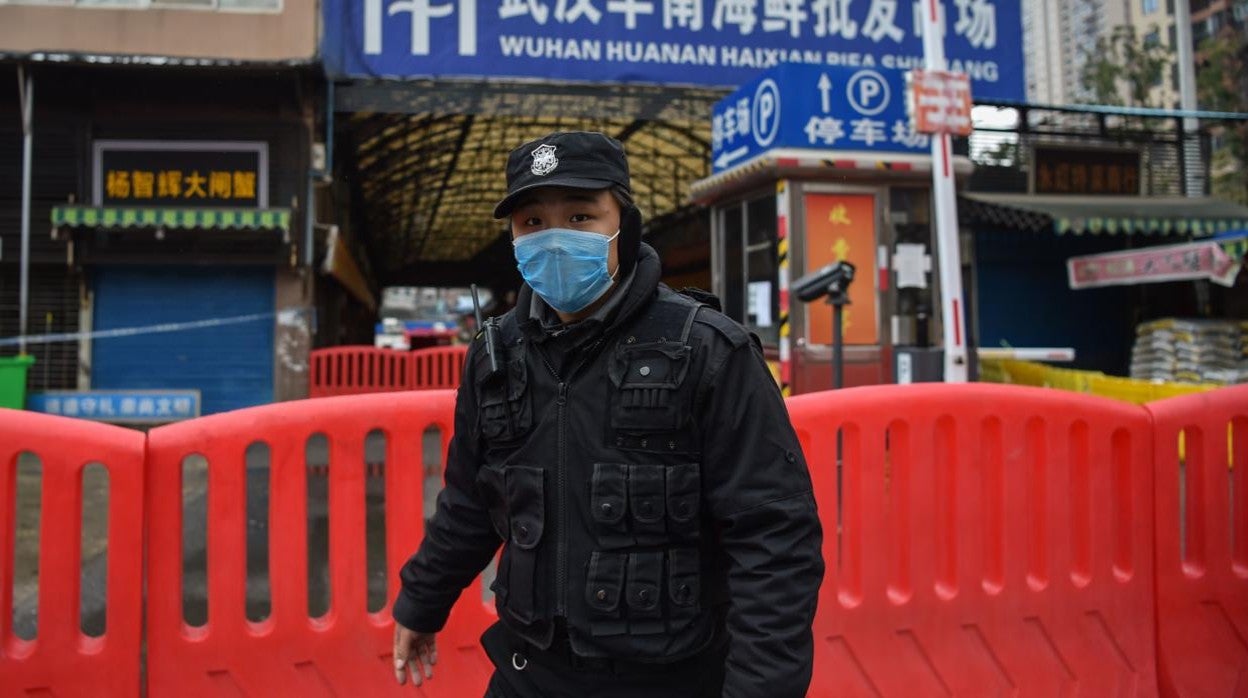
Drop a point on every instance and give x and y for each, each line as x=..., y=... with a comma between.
x=831, y=283
x=838, y=298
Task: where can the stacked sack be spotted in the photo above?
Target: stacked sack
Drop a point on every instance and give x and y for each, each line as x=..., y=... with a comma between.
x=1191, y=351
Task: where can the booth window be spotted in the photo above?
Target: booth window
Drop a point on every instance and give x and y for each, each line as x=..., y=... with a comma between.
x=750, y=269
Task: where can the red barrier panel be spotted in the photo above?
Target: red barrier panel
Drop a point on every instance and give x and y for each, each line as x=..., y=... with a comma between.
x=357, y=370
x=437, y=367
x=348, y=650
x=992, y=540
x=61, y=660
x=1202, y=543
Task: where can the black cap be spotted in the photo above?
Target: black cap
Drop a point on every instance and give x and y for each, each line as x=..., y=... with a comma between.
x=577, y=159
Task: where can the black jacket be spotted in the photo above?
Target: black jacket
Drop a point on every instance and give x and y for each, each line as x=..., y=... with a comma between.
x=644, y=474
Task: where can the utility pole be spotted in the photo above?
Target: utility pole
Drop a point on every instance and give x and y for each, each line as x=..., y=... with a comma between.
x=26, y=95
x=1193, y=184
x=945, y=220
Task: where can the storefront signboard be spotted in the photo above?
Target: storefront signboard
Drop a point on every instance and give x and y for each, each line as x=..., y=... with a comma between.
x=1087, y=172
x=119, y=406
x=721, y=43
x=185, y=174
x=1189, y=261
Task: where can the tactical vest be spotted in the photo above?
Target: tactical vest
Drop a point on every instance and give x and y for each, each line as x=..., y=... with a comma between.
x=593, y=480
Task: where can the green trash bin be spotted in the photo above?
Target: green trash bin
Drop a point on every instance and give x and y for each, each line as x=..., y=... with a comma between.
x=13, y=380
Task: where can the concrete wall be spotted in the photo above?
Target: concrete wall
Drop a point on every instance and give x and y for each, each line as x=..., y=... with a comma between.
x=290, y=34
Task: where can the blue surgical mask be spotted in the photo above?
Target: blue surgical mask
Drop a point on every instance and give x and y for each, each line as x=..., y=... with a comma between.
x=567, y=268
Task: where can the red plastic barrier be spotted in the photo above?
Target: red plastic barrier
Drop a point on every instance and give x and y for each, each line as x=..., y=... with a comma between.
x=357, y=370
x=437, y=367
x=348, y=650
x=1202, y=543
x=61, y=660
x=993, y=540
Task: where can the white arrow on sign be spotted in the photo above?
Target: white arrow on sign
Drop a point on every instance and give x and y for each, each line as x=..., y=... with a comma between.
x=825, y=92
x=726, y=159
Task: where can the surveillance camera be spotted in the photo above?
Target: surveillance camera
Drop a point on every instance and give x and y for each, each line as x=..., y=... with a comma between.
x=834, y=278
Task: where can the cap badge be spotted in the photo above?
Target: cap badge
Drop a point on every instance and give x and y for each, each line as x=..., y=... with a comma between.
x=544, y=160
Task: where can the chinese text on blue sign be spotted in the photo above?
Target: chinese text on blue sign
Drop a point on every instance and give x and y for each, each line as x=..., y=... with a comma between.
x=802, y=106
x=135, y=407
x=690, y=42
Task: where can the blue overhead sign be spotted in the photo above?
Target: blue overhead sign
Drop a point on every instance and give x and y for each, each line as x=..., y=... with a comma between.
x=678, y=42
x=803, y=106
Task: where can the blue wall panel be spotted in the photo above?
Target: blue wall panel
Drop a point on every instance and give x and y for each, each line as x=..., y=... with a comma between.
x=1025, y=300
x=231, y=364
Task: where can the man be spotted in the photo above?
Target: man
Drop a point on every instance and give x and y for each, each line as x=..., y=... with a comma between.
x=630, y=450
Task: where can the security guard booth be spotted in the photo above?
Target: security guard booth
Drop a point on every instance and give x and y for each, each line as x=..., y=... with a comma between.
x=789, y=213
x=844, y=179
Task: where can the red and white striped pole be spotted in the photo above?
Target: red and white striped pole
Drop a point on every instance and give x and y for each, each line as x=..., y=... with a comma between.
x=946, y=219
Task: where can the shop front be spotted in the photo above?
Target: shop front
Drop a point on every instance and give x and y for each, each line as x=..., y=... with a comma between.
x=1090, y=272
x=182, y=253
x=178, y=208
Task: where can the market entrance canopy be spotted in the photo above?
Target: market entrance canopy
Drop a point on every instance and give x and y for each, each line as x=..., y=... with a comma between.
x=1109, y=215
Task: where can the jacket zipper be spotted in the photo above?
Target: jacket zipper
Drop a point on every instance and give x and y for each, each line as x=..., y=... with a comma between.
x=561, y=559
x=561, y=496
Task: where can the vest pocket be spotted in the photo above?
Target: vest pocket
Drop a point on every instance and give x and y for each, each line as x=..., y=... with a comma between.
x=645, y=502
x=647, y=378
x=527, y=518
x=684, y=585
x=684, y=492
x=645, y=505
x=642, y=589
x=505, y=411
x=603, y=590
x=608, y=502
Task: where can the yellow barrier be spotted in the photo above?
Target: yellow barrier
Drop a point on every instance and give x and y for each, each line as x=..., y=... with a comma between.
x=1092, y=382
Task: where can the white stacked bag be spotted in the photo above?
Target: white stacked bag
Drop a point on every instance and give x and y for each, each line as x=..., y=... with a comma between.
x=1191, y=351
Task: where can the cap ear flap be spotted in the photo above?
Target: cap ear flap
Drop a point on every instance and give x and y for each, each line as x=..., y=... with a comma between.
x=630, y=237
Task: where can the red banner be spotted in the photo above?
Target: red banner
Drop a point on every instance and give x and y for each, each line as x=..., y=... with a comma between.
x=1198, y=260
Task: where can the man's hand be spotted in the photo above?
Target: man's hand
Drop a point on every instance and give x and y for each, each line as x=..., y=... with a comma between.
x=415, y=652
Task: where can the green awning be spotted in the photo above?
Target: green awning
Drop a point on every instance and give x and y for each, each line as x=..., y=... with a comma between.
x=204, y=218
x=1103, y=215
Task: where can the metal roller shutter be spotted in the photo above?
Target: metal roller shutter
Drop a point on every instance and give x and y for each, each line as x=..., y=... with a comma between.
x=231, y=363
x=53, y=310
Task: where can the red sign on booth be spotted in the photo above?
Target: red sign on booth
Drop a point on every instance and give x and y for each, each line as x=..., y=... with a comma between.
x=940, y=102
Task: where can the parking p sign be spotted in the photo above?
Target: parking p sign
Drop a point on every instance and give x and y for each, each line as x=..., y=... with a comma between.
x=831, y=108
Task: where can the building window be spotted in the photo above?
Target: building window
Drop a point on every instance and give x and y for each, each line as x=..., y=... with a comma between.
x=1150, y=6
